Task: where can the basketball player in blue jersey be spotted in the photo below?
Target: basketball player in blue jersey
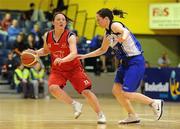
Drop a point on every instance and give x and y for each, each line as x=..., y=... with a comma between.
x=129, y=74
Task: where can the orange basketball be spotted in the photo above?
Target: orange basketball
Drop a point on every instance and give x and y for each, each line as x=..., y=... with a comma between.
x=28, y=58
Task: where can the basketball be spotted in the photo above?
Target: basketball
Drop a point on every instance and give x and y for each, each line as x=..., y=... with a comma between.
x=29, y=58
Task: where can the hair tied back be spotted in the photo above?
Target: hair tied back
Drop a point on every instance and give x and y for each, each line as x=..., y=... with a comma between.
x=119, y=13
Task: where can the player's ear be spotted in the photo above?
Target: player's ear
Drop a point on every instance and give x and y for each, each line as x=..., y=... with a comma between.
x=106, y=18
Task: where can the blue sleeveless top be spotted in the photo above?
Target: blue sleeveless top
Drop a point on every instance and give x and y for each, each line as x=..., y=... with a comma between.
x=129, y=48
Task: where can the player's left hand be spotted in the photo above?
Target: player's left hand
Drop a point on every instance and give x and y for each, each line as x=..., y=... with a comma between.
x=58, y=61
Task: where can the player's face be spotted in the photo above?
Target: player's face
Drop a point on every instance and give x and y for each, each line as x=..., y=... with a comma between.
x=101, y=21
x=59, y=21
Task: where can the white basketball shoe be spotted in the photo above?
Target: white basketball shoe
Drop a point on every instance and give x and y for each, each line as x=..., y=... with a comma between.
x=130, y=119
x=101, y=118
x=77, y=107
x=157, y=107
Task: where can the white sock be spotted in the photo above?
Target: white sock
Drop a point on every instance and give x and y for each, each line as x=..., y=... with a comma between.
x=74, y=102
x=100, y=113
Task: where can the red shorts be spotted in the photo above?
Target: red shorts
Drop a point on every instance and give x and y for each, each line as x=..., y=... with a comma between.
x=77, y=78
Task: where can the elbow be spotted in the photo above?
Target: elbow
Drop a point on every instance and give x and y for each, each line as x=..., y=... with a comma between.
x=103, y=50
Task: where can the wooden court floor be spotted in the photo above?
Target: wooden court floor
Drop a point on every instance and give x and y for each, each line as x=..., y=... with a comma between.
x=52, y=114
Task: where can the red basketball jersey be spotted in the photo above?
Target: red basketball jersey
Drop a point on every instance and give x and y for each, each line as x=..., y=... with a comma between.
x=61, y=49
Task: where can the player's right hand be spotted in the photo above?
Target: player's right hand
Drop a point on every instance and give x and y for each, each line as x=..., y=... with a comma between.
x=31, y=51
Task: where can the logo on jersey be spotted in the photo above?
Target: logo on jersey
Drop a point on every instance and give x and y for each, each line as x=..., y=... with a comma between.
x=86, y=82
x=63, y=45
x=58, y=54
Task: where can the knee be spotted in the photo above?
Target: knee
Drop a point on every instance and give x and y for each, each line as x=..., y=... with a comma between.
x=116, y=90
x=86, y=93
x=53, y=88
x=128, y=95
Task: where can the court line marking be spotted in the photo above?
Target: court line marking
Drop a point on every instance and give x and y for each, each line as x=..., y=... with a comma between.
x=164, y=121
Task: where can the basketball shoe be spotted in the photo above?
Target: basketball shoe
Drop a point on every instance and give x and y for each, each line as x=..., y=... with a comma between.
x=157, y=107
x=101, y=118
x=130, y=119
x=77, y=107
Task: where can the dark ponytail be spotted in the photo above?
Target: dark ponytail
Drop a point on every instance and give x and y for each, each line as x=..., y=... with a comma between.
x=105, y=12
x=119, y=13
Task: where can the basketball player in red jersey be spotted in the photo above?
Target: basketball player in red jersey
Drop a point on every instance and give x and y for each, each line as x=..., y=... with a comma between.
x=60, y=43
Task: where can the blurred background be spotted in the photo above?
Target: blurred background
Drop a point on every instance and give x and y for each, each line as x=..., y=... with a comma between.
x=155, y=23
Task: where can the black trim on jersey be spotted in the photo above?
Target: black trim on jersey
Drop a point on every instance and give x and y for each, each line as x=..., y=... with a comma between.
x=59, y=37
x=69, y=35
x=47, y=37
x=109, y=30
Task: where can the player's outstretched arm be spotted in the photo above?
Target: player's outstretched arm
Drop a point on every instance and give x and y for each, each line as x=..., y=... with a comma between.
x=104, y=47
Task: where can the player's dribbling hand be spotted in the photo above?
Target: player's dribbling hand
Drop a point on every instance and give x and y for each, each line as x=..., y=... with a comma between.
x=57, y=61
x=31, y=51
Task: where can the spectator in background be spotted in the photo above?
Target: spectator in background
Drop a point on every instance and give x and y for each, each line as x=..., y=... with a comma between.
x=49, y=16
x=8, y=69
x=13, y=32
x=60, y=6
x=38, y=36
x=25, y=23
x=29, y=12
x=19, y=46
x=22, y=81
x=6, y=22
x=49, y=13
x=31, y=41
x=36, y=15
x=38, y=80
x=81, y=43
x=164, y=61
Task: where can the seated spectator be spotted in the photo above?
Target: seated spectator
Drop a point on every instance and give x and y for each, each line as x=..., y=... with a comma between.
x=4, y=25
x=6, y=22
x=164, y=61
x=38, y=36
x=22, y=81
x=8, y=69
x=38, y=80
x=25, y=23
x=19, y=45
x=13, y=32
x=31, y=42
x=82, y=46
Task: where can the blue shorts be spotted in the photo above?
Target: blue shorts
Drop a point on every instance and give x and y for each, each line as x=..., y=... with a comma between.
x=130, y=73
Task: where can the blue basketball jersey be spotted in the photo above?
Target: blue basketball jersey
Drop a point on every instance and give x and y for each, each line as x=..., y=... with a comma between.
x=130, y=47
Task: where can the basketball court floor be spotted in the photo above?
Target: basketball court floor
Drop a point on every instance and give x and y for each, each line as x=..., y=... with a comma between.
x=17, y=113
